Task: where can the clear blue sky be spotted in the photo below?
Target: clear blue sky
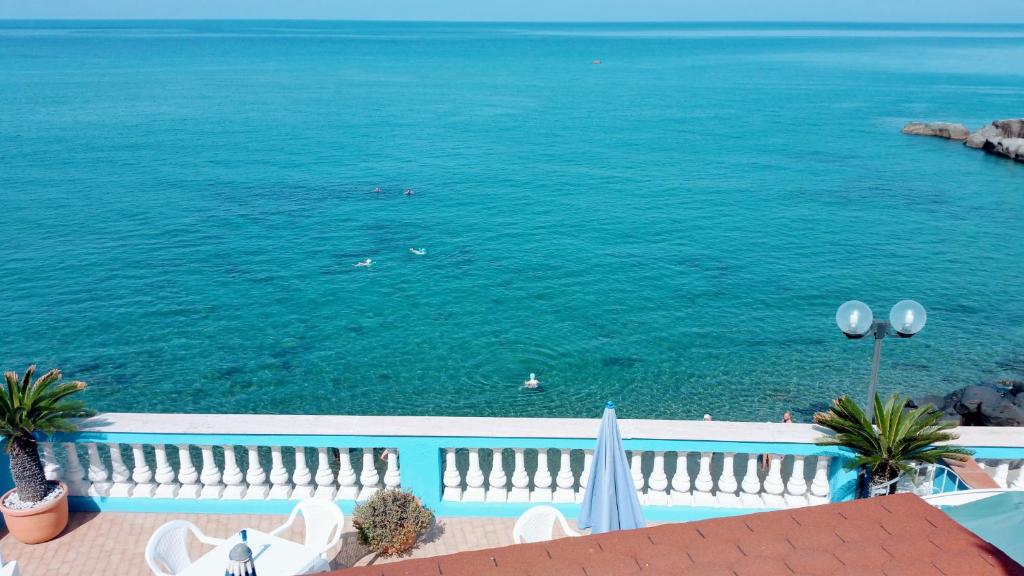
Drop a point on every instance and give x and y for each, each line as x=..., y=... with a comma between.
x=531, y=10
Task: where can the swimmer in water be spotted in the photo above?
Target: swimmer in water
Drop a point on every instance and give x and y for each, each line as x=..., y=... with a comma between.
x=532, y=383
x=418, y=251
x=364, y=263
x=408, y=192
x=377, y=190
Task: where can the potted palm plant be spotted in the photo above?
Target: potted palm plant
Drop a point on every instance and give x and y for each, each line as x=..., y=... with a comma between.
x=35, y=510
x=891, y=445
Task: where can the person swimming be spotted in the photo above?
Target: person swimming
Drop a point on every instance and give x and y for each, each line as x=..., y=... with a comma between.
x=532, y=383
x=408, y=192
x=377, y=190
x=418, y=251
x=364, y=263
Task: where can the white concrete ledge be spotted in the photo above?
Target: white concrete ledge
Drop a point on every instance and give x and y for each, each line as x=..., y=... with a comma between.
x=269, y=425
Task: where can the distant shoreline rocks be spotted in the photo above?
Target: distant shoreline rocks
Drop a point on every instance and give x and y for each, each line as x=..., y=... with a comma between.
x=1003, y=138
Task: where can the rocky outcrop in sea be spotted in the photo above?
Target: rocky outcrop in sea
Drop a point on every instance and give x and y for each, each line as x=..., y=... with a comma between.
x=981, y=404
x=1001, y=138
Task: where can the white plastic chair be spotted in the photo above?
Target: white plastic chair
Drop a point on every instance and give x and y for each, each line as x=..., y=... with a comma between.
x=9, y=569
x=324, y=525
x=167, y=549
x=538, y=525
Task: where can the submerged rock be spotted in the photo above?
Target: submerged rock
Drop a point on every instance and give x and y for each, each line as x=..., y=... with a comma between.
x=939, y=129
x=981, y=405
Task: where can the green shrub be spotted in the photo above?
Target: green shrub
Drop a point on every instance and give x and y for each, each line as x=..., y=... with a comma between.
x=390, y=522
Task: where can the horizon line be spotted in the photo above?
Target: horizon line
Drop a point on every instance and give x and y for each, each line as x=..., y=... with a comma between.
x=449, y=21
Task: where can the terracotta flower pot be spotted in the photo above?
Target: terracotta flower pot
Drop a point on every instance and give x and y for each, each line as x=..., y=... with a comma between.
x=39, y=524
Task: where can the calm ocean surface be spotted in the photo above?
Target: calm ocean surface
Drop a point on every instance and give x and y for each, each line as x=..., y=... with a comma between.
x=183, y=203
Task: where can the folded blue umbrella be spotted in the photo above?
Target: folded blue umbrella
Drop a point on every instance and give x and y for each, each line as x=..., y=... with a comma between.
x=610, y=502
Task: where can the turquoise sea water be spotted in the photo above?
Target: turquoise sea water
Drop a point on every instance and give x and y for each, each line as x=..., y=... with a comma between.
x=673, y=229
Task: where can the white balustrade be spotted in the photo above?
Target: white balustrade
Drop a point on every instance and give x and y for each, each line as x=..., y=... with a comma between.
x=774, y=486
x=497, y=482
x=520, y=479
x=796, y=486
x=588, y=462
x=302, y=477
x=280, y=488
x=727, y=496
x=564, y=481
x=681, y=495
x=541, y=479
x=657, y=483
x=75, y=474
x=452, y=478
x=348, y=486
x=188, y=477
x=120, y=474
x=636, y=473
x=750, y=487
x=324, y=478
x=51, y=467
x=255, y=476
x=474, y=479
x=368, y=477
x=97, y=474
x=819, y=491
x=704, y=483
x=392, y=475
x=142, y=474
x=234, y=480
x=166, y=485
x=1017, y=481
x=1000, y=475
x=210, y=476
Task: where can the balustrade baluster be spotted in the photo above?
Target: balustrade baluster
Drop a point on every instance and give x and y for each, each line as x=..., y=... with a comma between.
x=368, y=476
x=819, y=492
x=188, y=477
x=255, y=476
x=280, y=487
x=750, y=487
x=704, y=483
x=76, y=482
x=302, y=477
x=392, y=473
x=234, y=480
x=97, y=473
x=588, y=462
x=474, y=479
x=166, y=486
x=541, y=478
x=325, y=487
x=1000, y=475
x=348, y=488
x=452, y=477
x=520, y=479
x=796, y=487
x=564, y=481
x=657, y=484
x=497, y=482
x=51, y=467
x=210, y=476
x=142, y=474
x=636, y=473
x=773, y=484
x=681, y=481
x=727, y=486
x=119, y=473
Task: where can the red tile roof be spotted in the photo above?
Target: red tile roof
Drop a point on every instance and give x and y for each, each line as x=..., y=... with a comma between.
x=891, y=536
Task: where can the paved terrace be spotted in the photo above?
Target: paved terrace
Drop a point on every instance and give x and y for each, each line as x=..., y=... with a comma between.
x=113, y=543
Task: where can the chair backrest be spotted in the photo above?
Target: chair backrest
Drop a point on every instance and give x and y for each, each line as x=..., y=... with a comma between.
x=537, y=524
x=324, y=522
x=167, y=549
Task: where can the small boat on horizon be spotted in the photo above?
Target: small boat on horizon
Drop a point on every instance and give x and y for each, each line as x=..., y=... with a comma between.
x=596, y=61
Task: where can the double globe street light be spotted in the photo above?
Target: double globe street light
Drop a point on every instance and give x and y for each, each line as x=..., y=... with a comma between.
x=855, y=319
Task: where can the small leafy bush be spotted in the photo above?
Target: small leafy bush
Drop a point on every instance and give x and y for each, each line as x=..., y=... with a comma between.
x=390, y=522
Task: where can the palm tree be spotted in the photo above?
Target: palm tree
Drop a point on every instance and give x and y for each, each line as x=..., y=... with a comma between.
x=896, y=439
x=27, y=407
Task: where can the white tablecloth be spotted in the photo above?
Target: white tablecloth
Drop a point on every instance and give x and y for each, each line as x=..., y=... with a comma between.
x=273, y=557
